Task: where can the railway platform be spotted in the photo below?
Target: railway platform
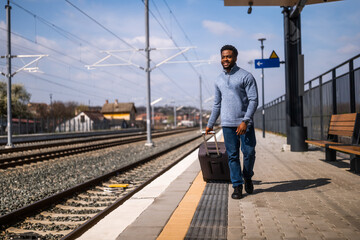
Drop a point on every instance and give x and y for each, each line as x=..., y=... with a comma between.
x=298, y=195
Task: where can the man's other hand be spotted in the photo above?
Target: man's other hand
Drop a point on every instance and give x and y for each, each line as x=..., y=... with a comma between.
x=207, y=130
x=241, y=129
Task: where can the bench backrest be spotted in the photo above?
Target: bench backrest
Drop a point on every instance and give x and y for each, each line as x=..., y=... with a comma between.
x=345, y=125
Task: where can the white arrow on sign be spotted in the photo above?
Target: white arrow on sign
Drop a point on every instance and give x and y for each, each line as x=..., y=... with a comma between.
x=259, y=63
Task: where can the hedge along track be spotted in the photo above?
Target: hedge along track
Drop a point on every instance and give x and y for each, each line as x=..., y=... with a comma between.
x=92, y=200
x=27, y=158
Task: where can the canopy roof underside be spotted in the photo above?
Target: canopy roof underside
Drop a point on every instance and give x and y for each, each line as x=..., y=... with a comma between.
x=285, y=3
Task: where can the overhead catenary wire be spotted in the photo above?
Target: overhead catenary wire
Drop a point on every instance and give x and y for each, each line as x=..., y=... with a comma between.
x=59, y=30
x=110, y=30
x=170, y=36
x=66, y=34
x=78, y=41
x=186, y=37
x=162, y=19
x=172, y=39
x=52, y=91
x=61, y=85
x=66, y=55
x=166, y=31
x=67, y=87
x=102, y=26
x=62, y=62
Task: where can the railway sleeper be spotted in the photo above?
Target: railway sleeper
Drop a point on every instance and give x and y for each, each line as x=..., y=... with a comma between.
x=79, y=208
x=54, y=222
x=34, y=234
x=46, y=214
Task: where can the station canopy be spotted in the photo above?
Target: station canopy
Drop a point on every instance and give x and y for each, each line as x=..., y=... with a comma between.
x=282, y=3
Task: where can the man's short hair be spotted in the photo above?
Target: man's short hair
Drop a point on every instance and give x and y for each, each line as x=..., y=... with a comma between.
x=230, y=47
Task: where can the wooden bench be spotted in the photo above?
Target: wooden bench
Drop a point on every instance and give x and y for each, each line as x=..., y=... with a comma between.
x=340, y=126
x=354, y=152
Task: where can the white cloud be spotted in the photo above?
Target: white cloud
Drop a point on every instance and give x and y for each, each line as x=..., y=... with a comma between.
x=348, y=48
x=154, y=41
x=220, y=28
x=215, y=57
x=349, y=44
x=259, y=35
x=268, y=36
x=47, y=42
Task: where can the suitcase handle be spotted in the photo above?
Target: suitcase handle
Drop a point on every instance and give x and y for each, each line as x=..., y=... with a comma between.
x=206, y=147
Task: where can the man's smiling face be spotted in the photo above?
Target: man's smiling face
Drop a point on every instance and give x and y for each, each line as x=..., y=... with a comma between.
x=227, y=59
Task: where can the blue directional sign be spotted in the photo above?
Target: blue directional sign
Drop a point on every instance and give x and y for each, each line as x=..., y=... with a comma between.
x=267, y=63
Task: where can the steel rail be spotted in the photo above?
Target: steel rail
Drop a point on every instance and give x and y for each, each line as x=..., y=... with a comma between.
x=58, y=142
x=36, y=157
x=74, y=140
x=19, y=214
x=29, y=138
x=91, y=222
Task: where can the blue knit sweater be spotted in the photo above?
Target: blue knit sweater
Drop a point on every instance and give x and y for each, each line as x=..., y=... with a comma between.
x=236, y=98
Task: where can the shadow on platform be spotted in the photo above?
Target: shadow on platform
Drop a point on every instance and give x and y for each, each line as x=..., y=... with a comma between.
x=294, y=185
x=342, y=160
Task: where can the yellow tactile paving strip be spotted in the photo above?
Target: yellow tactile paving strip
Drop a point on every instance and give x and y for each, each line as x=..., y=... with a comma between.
x=179, y=223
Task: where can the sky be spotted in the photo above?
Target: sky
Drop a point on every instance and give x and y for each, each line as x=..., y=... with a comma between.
x=74, y=34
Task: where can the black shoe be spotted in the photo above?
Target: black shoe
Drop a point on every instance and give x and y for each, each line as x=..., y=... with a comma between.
x=249, y=186
x=237, y=194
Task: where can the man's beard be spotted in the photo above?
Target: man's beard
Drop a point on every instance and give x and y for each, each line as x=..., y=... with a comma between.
x=229, y=66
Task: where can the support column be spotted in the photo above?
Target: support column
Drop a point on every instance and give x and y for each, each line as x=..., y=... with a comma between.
x=8, y=64
x=296, y=132
x=201, y=120
x=148, y=92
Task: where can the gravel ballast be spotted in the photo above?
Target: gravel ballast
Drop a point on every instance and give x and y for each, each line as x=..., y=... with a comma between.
x=22, y=186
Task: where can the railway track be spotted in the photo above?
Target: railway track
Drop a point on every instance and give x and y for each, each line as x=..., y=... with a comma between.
x=44, y=142
x=31, y=145
x=86, y=203
x=66, y=148
x=20, y=140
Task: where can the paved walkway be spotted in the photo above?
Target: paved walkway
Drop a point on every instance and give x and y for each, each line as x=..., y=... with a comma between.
x=296, y=196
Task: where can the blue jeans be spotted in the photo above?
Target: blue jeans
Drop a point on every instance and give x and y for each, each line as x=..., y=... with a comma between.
x=232, y=144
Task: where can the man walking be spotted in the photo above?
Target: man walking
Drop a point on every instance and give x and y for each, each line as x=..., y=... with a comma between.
x=236, y=100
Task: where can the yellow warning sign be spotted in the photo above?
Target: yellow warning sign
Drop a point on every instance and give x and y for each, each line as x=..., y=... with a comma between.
x=274, y=55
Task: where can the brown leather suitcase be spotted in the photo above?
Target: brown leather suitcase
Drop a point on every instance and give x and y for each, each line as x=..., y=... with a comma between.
x=214, y=161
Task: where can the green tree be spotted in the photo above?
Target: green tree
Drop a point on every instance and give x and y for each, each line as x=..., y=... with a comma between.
x=42, y=110
x=70, y=109
x=19, y=100
x=82, y=108
x=62, y=110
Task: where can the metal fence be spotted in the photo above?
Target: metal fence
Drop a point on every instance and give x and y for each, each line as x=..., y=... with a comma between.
x=333, y=92
x=51, y=125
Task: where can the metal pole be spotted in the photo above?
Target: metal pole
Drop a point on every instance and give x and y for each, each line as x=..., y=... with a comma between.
x=294, y=83
x=8, y=64
x=201, y=127
x=262, y=83
x=148, y=97
x=153, y=117
x=174, y=115
x=352, y=86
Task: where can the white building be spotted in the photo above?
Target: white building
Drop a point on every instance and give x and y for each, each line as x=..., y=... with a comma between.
x=84, y=122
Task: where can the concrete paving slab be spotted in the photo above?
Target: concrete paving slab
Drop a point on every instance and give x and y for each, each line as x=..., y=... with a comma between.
x=297, y=196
